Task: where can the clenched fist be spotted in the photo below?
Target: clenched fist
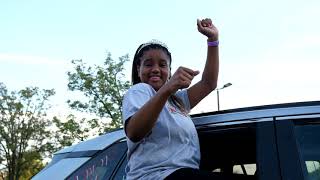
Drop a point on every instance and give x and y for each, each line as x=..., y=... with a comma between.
x=206, y=28
x=181, y=79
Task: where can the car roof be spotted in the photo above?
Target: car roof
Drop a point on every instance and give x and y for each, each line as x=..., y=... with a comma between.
x=239, y=115
x=257, y=113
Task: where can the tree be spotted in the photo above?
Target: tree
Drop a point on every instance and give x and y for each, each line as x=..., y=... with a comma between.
x=23, y=128
x=34, y=164
x=103, y=88
x=70, y=131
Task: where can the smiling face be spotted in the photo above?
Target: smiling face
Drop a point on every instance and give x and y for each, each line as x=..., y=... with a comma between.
x=154, y=68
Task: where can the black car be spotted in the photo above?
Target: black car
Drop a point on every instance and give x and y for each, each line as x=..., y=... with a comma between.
x=269, y=142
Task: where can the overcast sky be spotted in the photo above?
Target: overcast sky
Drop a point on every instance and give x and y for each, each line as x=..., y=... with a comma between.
x=269, y=50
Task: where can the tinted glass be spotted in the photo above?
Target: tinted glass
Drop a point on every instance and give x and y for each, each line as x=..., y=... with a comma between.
x=308, y=138
x=229, y=150
x=120, y=175
x=102, y=165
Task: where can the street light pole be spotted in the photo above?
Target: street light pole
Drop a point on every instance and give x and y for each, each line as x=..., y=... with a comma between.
x=218, y=100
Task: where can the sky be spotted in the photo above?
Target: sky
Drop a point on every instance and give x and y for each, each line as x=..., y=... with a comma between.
x=269, y=50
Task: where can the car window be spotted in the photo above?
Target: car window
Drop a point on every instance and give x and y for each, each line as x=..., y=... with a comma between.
x=102, y=165
x=308, y=139
x=121, y=174
x=246, y=169
x=229, y=150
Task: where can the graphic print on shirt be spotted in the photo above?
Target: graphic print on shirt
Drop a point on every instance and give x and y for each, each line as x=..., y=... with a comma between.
x=174, y=110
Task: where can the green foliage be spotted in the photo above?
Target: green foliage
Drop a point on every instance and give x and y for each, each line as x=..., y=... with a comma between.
x=103, y=88
x=34, y=163
x=23, y=127
x=71, y=131
x=27, y=135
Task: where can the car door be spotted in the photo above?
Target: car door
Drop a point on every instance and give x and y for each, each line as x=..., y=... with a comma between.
x=298, y=141
x=245, y=149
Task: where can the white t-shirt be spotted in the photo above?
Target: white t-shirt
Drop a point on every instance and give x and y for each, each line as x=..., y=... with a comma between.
x=172, y=144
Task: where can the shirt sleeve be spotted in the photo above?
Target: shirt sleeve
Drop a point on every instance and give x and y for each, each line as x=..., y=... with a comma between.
x=134, y=99
x=183, y=95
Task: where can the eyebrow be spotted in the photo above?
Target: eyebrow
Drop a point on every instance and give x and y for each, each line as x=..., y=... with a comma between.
x=147, y=60
x=161, y=60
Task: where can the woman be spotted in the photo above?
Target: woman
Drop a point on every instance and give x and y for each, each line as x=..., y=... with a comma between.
x=162, y=139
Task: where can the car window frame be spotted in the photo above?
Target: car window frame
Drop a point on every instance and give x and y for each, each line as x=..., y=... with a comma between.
x=120, y=162
x=119, y=165
x=288, y=147
x=267, y=150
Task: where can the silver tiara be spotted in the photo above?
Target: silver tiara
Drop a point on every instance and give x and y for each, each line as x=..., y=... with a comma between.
x=153, y=41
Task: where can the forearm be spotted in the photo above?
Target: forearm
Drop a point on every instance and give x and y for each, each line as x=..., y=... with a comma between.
x=142, y=122
x=211, y=70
